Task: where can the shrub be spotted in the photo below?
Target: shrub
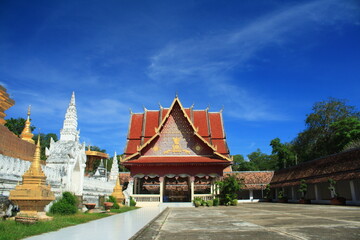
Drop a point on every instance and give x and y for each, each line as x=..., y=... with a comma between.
x=234, y=202
x=209, y=203
x=281, y=195
x=267, y=191
x=228, y=188
x=66, y=205
x=303, y=188
x=113, y=200
x=216, y=202
x=197, y=203
x=132, y=202
x=332, y=187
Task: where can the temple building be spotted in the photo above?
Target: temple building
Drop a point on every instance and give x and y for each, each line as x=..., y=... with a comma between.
x=175, y=154
x=68, y=155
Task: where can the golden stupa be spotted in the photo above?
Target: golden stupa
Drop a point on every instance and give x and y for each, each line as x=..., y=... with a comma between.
x=26, y=132
x=33, y=194
x=117, y=193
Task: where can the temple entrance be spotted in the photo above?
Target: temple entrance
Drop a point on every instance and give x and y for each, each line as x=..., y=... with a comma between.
x=177, y=189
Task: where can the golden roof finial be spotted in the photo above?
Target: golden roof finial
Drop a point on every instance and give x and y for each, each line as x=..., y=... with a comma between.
x=36, y=162
x=26, y=133
x=29, y=112
x=35, y=173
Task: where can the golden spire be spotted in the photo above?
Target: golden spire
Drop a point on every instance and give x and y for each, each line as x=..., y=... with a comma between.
x=26, y=133
x=35, y=173
x=117, y=192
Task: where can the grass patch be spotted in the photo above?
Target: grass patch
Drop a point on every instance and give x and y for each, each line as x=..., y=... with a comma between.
x=10, y=230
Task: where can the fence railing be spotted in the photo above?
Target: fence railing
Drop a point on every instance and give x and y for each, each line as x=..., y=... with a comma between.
x=204, y=197
x=146, y=197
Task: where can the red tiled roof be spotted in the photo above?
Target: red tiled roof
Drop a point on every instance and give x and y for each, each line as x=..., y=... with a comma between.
x=131, y=146
x=151, y=122
x=136, y=125
x=341, y=166
x=255, y=180
x=221, y=146
x=187, y=110
x=209, y=126
x=201, y=121
x=216, y=125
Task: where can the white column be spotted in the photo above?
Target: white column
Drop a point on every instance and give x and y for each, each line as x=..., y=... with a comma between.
x=353, y=193
x=317, y=195
x=251, y=195
x=192, y=179
x=131, y=186
x=161, y=179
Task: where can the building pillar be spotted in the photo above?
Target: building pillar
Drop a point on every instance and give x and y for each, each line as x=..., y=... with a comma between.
x=317, y=195
x=138, y=185
x=276, y=193
x=192, y=180
x=131, y=186
x=135, y=185
x=292, y=193
x=161, y=179
x=353, y=191
x=251, y=195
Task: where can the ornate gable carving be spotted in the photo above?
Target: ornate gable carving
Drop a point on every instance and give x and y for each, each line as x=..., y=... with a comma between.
x=177, y=138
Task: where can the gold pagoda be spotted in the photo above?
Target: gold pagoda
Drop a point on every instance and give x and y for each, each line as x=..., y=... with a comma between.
x=33, y=194
x=26, y=134
x=118, y=193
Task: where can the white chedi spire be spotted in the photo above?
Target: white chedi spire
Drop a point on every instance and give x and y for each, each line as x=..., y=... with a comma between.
x=114, y=173
x=69, y=131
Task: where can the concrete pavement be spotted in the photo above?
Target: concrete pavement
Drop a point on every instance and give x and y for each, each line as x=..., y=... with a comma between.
x=257, y=221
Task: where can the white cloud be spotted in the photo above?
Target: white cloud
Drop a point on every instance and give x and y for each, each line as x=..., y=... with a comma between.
x=209, y=59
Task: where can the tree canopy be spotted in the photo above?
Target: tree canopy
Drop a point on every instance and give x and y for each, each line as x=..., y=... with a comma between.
x=16, y=125
x=331, y=125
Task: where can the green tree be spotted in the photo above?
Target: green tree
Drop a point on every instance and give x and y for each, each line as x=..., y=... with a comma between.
x=16, y=125
x=317, y=139
x=45, y=142
x=240, y=164
x=263, y=161
x=285, y=155
x=344, y=132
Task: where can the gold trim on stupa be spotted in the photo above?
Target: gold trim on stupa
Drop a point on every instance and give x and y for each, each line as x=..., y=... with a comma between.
x=118, y=192
x=33, y=194
x=26, y=133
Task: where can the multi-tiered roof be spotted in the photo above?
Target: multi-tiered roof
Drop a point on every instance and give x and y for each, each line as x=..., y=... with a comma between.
x=176, y=135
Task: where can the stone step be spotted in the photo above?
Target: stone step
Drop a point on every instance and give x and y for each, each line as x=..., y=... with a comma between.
x=176, y=204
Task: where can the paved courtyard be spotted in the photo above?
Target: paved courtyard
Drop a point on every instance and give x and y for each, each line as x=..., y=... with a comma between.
x=257, y=221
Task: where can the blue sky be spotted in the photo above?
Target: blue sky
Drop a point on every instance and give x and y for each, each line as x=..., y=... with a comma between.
x=266, y=62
